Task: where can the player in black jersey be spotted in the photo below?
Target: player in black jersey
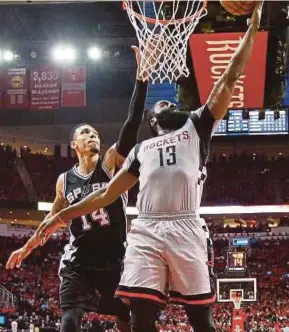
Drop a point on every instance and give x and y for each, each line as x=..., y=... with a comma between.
x=92, y=260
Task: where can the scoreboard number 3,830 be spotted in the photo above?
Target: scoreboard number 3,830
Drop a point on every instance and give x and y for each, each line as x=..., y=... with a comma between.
x=45, y=76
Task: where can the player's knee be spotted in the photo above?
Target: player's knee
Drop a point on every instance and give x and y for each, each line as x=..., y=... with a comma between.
x=200, y=317
x=143, y=316
x=71, y=320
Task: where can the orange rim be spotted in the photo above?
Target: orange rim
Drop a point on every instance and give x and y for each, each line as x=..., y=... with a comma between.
x=165, y=22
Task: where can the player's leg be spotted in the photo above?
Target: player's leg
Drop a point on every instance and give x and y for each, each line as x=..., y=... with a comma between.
x=115, y=307
x=77, y=295
x=71, y=319
x=144, y=276
x=106, y=283
x=143, y=316
x=190, y=270
x=200, y=317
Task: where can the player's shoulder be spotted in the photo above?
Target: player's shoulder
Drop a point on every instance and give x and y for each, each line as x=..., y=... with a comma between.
x=61, y=183
x=61, y=177
x=112, y=159
x=198, y=112
x=112, y=151
x=142, y=146
x=202, y=117
x=147, y=142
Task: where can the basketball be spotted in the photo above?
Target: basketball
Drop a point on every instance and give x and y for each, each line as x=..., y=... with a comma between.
x=238, y=8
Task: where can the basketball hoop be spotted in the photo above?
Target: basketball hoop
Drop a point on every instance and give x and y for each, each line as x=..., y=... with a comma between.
x=236, y=297
x=169, y=24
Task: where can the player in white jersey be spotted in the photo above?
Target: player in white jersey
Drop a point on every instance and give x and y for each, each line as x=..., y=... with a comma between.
x=167, y=257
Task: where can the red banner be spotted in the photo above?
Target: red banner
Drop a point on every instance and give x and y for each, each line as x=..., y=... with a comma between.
x=16, y=88
x=211, y=54
x=238, y=321
x=44, y=88
x=74, y=87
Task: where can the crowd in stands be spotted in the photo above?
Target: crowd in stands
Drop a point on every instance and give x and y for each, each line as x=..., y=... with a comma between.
x=11, y=187
x=242, y=179
x=247, y=179
x=35, y=285
x=236, y=179
x=44, y=171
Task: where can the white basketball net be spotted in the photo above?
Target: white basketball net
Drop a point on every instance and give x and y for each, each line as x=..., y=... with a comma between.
x=163, y=37
x=236, y=297
x=237, y=303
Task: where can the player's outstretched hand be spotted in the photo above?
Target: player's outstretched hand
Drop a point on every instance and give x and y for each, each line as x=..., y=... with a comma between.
x=137, y=55
x=17, y=257
x=148, y=58
x=48, y=227
x=255, y=19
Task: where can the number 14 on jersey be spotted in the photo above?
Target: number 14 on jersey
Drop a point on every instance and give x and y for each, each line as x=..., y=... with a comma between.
x=100, y=216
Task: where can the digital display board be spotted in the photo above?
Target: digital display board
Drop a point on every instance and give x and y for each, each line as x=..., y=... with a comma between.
x=236, y=261
x=240, y=242
x=2, y=320
x=222, y=128
x=236, y=125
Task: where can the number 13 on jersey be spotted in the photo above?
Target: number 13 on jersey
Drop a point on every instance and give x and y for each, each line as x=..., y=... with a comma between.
x=100, y=216
x=168, y=156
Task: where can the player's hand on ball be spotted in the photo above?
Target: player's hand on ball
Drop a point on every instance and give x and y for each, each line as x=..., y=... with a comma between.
x=255, y=19
x=17, y=257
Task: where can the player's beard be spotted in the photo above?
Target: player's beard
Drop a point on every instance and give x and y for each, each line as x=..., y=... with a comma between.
x=94, y=150
x=171, y=120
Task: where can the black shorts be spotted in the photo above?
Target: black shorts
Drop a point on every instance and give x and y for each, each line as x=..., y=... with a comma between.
x=92, y=290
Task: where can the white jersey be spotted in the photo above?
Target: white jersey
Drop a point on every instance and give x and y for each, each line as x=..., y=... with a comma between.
x=172, y=168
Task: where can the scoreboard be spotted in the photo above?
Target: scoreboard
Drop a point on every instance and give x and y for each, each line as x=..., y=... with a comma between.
x=236, y=125
x=236, y=261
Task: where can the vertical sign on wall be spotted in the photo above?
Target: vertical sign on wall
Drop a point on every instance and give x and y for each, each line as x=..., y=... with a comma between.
x=211, y=54
x=16, y=88
x=74, y=87
x=44, y=88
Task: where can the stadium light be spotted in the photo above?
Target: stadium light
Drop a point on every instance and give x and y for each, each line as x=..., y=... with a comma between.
x=208, y=210
x=94, y=53
x=8, y=56
x=63, y=53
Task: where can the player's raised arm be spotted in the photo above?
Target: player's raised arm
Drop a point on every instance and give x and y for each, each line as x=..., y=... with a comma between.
x=128, y=135
x=221, y=94
x=127, y=139
x=19, y=255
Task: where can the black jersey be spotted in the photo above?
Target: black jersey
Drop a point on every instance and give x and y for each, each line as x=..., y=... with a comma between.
x=97, y=239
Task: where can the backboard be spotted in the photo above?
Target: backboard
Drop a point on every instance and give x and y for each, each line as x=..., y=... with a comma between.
x=226, y=288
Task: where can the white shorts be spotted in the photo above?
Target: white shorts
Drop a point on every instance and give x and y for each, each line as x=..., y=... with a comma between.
x=168, y=258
